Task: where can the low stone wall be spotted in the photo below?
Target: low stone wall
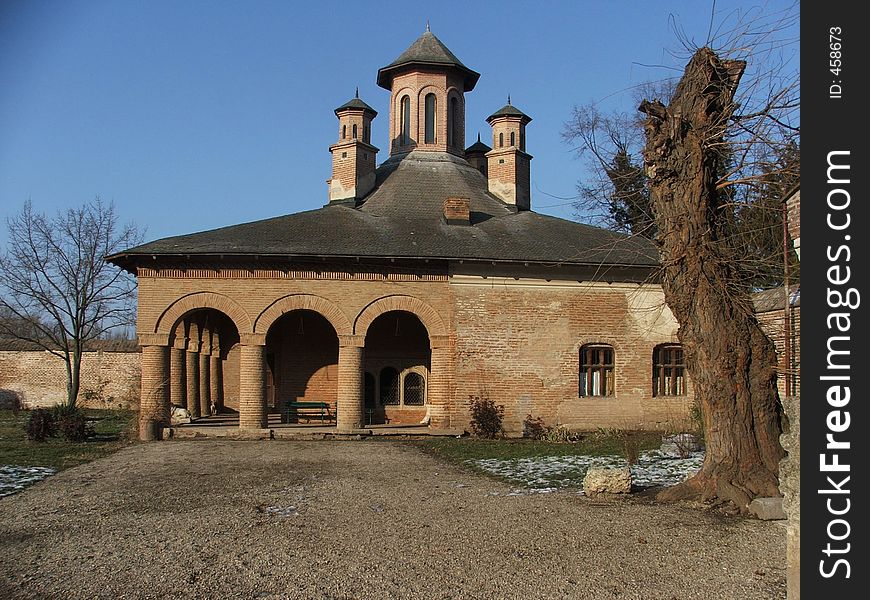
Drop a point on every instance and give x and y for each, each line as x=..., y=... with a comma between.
x=37, y=378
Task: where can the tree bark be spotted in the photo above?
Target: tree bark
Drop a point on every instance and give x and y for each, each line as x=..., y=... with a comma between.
x=731, y=361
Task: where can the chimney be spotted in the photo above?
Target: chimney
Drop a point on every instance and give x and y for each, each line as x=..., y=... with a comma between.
x=456, y=211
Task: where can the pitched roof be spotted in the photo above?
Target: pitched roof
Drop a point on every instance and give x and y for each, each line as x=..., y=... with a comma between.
x=477, y=146
x=427, y=50
x=402, y=218
x=357, y=104
x=509, y=110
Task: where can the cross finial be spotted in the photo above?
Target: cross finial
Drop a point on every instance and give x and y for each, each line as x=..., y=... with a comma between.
x=427, y=24
x=357, y=92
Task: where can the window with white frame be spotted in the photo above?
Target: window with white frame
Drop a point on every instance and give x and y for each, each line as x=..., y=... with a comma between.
x=669, y=370
x=596, y=370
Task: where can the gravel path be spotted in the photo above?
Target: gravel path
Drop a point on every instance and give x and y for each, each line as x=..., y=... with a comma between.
x=365, y=519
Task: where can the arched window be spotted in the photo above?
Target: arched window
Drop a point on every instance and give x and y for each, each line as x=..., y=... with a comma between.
x=367, y=134
x=389, y=386
x=414, y=389
x=500, y=140
x=669, y=371
x=513, y=139
x=596, y=370
x=354, y=131
x=344, y=132
x=429, y=135
x=405, y=135
x=522, y=141
x=453, y=135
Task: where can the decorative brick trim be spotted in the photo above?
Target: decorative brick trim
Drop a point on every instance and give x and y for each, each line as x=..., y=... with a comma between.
x=197, y=300
x=354, y=341
x=427, y=315
x=303, y=274
x=253, y=339
x=321, y=306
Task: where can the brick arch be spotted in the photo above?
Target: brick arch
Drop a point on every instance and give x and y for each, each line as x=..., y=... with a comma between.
x=428, y=316
x=199, y=300
x=321, y=306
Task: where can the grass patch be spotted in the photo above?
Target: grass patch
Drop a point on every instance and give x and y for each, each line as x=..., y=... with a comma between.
x=460, y=450
x=110, y=428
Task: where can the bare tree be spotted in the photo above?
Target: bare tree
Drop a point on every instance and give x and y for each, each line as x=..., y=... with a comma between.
x=56, y=290
x=699, y=149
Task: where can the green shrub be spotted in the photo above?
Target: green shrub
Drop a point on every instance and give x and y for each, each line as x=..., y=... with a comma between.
x=40, y=425
x=486, y=417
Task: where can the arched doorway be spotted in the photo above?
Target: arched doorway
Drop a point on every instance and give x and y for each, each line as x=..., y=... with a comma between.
x=302, y=361
x=204, y=363
x=396, y=362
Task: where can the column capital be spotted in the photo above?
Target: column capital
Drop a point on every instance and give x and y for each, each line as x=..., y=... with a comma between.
x=193, y=346
x=353, y=341
x=154, y=339
x=253, y=339
x=439, y=341
x=180, y=343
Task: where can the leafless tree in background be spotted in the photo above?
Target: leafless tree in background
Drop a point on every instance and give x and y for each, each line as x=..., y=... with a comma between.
x=56, y=291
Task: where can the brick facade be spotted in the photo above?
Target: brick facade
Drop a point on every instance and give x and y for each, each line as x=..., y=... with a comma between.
x=515, y=340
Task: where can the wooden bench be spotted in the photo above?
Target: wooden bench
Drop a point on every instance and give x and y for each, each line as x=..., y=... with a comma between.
x=292, y=409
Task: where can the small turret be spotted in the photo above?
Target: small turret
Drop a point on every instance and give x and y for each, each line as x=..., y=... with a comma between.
x=353, y=156
x=508, y=164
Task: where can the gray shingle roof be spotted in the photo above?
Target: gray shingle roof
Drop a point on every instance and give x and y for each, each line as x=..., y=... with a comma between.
x=427, y=50
x=402, y=217
x=358, y=104
x=477, y=146
x=509, y=110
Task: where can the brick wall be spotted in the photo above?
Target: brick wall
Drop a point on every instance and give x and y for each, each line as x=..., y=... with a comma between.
x=108, y=379
x=518, y=343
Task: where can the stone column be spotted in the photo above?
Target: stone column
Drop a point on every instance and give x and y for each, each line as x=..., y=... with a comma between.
x=252, y=383
x=204, y=380
x=192, y=378
x=349, y=409
x=154, y=401
x=216, y=379
x=177, y=389
x=440, y=376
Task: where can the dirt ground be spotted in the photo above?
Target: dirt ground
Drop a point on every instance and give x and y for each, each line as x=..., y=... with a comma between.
x=358, y=519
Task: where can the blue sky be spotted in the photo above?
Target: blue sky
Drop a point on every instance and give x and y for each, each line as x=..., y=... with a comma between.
x=192, y=115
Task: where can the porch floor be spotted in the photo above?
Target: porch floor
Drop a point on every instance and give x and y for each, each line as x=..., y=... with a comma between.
x=227, y=426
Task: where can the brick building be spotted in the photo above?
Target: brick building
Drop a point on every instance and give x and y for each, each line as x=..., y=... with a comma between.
x=423, y=281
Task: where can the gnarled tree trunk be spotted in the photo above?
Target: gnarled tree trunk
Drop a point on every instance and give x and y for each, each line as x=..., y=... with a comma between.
x=730, y=359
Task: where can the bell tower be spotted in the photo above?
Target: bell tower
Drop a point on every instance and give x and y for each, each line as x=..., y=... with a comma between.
x=427, y=86
x=353, y=156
